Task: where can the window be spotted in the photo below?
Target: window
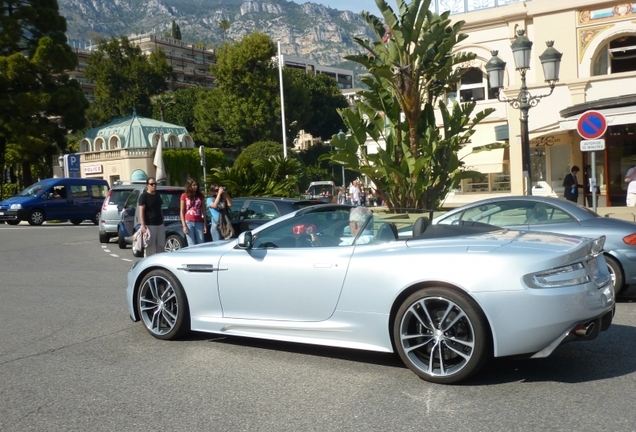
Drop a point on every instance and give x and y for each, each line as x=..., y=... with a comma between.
x=617, y=56
x=495, y=182
x=79, y=191
x=99, y=191
x=261, y=210
x=473, y=86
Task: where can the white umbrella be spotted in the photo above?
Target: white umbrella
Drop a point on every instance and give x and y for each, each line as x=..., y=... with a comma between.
x=160, y=173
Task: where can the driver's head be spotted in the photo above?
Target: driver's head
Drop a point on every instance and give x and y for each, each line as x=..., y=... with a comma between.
x=357, y=218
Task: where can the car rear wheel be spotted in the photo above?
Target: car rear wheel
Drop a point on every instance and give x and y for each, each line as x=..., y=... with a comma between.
x=95, y=218
x=121, y=241
x=174, y=242
x=13, y=222
x=36, y=217
x=441, y=335
x=163, y=305
x=104, y=238
x=616, y=272
x=76, y=221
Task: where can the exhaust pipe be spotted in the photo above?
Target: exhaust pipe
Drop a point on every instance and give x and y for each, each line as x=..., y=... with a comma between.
x=584, y=330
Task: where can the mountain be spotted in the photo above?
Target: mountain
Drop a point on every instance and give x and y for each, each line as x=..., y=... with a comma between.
x=308, y=30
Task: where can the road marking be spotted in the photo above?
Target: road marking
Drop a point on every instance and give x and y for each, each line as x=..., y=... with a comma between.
x=107, y=250
x=126, y=259
x=114, y=255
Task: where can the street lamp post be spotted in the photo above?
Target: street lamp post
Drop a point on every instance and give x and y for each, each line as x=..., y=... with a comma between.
x=550, y=61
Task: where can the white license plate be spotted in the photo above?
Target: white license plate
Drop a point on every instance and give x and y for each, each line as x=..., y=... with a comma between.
x=171, y=218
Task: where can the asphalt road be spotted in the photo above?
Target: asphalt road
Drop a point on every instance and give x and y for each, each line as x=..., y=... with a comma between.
x=72, y=360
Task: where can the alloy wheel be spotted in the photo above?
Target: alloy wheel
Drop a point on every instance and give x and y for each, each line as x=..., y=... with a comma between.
x=158, y=305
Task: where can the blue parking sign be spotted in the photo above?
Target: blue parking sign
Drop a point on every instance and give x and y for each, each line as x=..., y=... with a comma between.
x=72, y=166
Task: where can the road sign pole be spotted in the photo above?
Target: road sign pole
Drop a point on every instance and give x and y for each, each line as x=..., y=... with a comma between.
x=592, y=185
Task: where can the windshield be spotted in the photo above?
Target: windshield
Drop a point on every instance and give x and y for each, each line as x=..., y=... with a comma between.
x=34, y=190
x=321, y=190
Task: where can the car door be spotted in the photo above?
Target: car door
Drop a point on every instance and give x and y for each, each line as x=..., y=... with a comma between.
x=81, y=204
x=56, y=202
x=130, y=209
x=284, y=277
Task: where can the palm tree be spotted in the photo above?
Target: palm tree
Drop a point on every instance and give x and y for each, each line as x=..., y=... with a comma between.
x=163, y=101
x=224, y=25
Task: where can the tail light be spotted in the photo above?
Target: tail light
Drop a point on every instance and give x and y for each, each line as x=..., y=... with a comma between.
x=105, y=205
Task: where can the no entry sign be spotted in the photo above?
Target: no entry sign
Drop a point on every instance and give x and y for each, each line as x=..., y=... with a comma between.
x=591, y=125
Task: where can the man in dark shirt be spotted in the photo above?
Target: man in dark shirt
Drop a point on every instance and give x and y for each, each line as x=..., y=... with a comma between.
x=571, y=185
x=151, y=217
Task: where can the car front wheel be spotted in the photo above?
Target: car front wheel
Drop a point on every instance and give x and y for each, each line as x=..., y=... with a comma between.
x=174, y=242
x=36, y=217
x=616, y=272
x=441, y=335
x=121, y=241
x=163, y=306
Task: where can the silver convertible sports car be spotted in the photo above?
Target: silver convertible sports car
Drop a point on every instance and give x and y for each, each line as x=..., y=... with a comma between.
x=446, y=300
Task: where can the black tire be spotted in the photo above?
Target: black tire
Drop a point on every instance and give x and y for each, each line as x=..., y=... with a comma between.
x=13, y=222
x=76, y=221
x=416, y=335
x=104, y=238
x=174, y=242
x=36, y=217
x=616, y=271
x=96, y=216
x=162, y=305
x=121, y=241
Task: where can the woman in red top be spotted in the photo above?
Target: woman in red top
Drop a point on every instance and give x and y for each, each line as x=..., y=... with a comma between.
x=193, y=213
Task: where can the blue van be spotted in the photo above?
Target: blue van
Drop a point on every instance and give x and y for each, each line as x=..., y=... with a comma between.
x=74, y=199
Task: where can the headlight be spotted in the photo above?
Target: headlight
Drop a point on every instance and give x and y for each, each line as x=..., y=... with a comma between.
x=570, y=275
x=15, y=207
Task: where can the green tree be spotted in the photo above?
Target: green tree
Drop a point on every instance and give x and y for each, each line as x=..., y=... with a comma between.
x=247, y=84
x=275, y=176
x=175, y=31
x=39, y=104
x=125, y=79
x=207, y=123
x=325, y=99
x=225, y=26
x=258, y=152
x=409, y=64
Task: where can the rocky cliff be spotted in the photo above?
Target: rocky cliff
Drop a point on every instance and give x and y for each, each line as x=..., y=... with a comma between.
x=307, y=30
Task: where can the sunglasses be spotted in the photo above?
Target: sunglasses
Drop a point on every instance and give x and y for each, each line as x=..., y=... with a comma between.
x=152, y=184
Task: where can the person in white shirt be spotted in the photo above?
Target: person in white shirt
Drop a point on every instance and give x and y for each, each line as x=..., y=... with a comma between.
x=630, y=179
x=354, y=191
x=357, y=219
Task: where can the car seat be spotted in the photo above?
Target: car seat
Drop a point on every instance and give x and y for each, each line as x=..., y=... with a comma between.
x=387, y=232
x=420, y=225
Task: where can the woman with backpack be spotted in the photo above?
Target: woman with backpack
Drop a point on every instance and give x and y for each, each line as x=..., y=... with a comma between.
x=217, y=204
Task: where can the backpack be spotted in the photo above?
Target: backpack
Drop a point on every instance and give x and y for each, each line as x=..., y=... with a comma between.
x=225, y=225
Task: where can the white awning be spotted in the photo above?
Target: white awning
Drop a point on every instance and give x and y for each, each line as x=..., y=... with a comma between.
x=486, y=162
x=614, y=117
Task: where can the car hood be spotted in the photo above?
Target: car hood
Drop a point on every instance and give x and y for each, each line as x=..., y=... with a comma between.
x=13, y=200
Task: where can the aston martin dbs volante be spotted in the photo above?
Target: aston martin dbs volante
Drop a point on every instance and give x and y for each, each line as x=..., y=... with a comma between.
x=446, y=300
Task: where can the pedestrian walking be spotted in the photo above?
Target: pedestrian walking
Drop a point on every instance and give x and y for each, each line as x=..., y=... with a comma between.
x=192, y=213
x=151, y=218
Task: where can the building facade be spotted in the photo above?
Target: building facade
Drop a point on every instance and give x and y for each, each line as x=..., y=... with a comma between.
x=598, y=72
x=124, y=149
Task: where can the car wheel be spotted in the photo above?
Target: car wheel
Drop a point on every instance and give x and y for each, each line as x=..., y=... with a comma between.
x=121, y=241
x=13, y=222
x=616, y=272
x=104, y=238
x=442, y=335
x=76, y=221
x=174, y=242
x=96, y=218
x=36, y=217
x=162, y=305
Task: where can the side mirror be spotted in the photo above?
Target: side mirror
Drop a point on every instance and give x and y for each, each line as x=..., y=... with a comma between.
x=50, y=196
x=245, y=240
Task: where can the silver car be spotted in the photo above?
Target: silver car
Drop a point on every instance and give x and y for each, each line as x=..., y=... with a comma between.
x=535, y=213
x=303, y=278
x=111, y=209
